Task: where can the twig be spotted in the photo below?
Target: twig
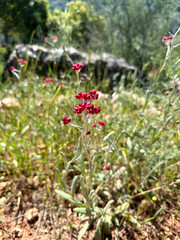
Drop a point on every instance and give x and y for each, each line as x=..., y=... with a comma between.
x=155, y=189
x=39, y=206
x=45, y=213
x=5, y=206
x=17, y=218
x=50, y=215
x=38, y=226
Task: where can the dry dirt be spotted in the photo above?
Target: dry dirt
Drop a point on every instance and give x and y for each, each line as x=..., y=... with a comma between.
x=29, y=211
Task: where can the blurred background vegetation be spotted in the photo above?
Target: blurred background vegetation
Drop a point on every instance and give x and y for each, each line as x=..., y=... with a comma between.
x=126, y=28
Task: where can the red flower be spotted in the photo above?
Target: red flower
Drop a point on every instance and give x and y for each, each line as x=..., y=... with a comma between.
x=22, y=61
x=107, y=167
x=41, y=104
x=54, y=37
x=102, y=123
x=66, y=120
x=77, y=66
x=88, y=133
x=94, y=125
x=46, y=38
x=72, y=147
x=48, y=80
x=92, y=95
x=90, y=108
x=167, y=40
x=19, y=60
x=12, y=68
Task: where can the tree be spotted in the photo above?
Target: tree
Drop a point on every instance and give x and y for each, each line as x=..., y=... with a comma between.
x=21, y=18
x=135, y=27
x=81, y=23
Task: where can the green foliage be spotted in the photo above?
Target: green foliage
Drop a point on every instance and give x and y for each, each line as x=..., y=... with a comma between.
x=80, y=23
x=133, y=27
x=21, y=18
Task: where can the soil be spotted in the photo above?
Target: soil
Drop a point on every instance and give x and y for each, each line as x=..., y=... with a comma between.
x=30, y=210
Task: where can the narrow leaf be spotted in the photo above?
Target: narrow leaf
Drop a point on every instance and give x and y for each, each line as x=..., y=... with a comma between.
x=107, y=137
x=134, y=221
x=74, y=185
x=86, y=211
x=85, y=228
x=24, y=130
x=122, y=208
x=64, y=158
x=120, y=172
x=63, y=184
x=108, y=204
x=66, y=196
x=98, y=233
x=55, y=94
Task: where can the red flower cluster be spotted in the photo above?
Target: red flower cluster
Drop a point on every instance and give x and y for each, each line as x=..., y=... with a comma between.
x=77, y=66
x=48, y=80
x=54, y=37
x=66, y=120
x=88, y=133
x=90, y=108
x=22, y=61
x=12, y=68
x=102, y=123
x=94, y=125
x=166, y=38
x=92, y=95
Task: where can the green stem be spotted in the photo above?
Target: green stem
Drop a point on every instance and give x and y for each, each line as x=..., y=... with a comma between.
x=77, y=73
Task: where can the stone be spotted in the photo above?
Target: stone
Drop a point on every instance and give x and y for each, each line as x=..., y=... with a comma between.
x=4, y=185
x=3, y=201
x=103, y=65
x=9, y=102
x=175, y=84
x=18, y=232
x=36, y=182
x=32, y=215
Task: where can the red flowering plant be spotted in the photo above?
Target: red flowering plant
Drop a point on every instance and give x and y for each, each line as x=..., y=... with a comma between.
x=88, y=111
x=84, y=163
x=16, y=72
x=169, y=42
x=51, y=40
